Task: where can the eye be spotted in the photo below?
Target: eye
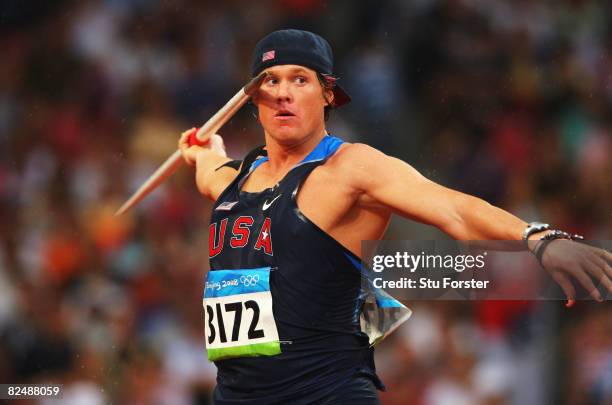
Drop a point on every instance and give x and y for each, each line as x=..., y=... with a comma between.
x=300, y=80
x=271, y=81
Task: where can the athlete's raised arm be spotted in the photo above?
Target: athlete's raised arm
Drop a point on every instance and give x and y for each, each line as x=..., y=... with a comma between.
x=211, y=178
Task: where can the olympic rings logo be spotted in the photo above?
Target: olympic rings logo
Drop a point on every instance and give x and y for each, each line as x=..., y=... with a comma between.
x=249, y=281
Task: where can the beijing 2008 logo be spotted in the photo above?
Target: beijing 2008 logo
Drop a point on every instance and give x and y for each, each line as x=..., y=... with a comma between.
x=249, y=281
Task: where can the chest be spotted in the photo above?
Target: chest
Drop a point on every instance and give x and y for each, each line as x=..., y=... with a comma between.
x=321, y=196
x=256, y=217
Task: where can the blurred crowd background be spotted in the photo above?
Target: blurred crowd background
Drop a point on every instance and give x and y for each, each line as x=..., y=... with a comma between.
x=510, y=100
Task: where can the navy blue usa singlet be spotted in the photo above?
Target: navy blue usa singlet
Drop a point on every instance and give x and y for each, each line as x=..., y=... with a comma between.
x=315, y=291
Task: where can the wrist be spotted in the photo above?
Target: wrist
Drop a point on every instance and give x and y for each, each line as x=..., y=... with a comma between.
x=534, y=240
x=534, y=231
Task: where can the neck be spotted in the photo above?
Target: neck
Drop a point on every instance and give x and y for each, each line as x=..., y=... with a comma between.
x=282, y=156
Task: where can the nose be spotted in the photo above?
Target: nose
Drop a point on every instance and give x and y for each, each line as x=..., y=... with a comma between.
x=284, y=92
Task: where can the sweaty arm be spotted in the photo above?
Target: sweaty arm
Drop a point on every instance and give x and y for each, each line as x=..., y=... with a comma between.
x=402, y=189
x=212, y=174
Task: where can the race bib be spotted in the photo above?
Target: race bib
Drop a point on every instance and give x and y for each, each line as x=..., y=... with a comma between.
x=238, y=314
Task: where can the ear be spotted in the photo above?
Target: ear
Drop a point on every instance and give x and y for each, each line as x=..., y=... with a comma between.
x=253, y=107
x=328, y=95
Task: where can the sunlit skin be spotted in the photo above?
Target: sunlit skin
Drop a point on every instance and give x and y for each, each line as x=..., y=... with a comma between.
x=290, y=105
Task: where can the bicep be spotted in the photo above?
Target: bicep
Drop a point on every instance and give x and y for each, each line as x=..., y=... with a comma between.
x=402, y=189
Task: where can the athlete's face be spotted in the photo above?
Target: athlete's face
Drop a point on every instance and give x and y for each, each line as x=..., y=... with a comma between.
x=291, y=103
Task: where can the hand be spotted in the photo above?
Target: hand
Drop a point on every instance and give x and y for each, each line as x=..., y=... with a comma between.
x=564, y=258
x=191, y=152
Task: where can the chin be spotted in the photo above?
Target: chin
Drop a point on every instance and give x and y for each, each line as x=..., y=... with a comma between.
x=286, y=134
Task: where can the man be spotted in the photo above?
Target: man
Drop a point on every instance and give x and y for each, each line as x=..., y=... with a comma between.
x=283, y=296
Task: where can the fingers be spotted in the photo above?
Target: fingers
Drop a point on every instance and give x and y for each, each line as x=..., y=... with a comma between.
x=567, y=287
x=600, y=269
x=189, y=151
x=183, y=145
x=607, y=256
x=184, y=138
x=587, y=283
x=582, y=262
x=189, y=138
x=605, y=281
x=597, y=272
x=607, y=269
x=607, y=259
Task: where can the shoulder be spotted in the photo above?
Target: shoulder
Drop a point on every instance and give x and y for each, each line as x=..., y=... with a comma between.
x=354, y=164
x=355, y=159
x=364, y=167
x=355, y=155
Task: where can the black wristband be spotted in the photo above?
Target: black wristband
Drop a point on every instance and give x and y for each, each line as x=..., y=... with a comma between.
x=539, y=251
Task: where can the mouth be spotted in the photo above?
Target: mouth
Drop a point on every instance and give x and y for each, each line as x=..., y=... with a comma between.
x=284, y=114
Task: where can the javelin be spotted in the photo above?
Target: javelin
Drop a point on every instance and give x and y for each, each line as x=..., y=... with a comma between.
x=210, y=127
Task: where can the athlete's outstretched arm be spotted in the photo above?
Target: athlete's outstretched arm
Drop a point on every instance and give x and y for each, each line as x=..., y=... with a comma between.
x=211, y=180
x=398, y=186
